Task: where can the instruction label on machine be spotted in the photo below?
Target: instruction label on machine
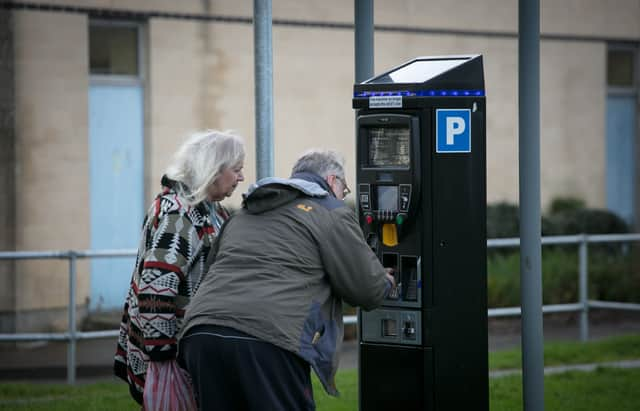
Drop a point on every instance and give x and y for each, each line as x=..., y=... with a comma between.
x=385, y=102
x=453, y=130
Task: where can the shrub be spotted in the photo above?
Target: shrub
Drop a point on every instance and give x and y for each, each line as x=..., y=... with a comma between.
x=612, y=276
x=566, y=216
x=503, y=280
x=503, y=220
x=564, y=204
x=559, y=278
x=587, y=221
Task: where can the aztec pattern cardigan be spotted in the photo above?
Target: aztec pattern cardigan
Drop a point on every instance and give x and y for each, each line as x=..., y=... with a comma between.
x=171, y=262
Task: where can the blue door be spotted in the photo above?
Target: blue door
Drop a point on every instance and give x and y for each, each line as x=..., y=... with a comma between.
x=116, y=187
x=621, y=136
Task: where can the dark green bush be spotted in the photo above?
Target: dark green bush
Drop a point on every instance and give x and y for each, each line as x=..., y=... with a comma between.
x=615, y=276
x=503, y=220
x=503, y=280
x=564, y=204
x=583, y=221
x=612, y=276
x=614, y=269
x=559, y=278
x=566, y=216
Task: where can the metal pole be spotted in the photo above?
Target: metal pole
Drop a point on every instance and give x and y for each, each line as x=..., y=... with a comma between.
x=530, y=244
x=364, y=39
x=584, y=288
x=263, y=68
x=71, y=348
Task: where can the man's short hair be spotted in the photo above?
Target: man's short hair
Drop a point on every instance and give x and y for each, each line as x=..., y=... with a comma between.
x=321, y=162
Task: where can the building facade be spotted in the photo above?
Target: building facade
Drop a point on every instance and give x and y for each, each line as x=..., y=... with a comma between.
x=97, y=94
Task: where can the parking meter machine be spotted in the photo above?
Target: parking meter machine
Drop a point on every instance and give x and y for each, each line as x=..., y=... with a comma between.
x=421, y=202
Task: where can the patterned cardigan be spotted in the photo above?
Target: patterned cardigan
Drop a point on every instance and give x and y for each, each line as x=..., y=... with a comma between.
x=171, y=262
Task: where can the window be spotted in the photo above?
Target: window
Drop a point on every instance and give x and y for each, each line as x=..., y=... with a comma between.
x=113, y=49
x=621, y=68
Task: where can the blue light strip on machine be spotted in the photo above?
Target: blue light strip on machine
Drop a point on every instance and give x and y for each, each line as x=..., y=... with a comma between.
x=421, y=93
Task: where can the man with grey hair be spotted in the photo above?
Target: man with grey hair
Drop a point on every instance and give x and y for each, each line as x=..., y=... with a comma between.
x=270, y=307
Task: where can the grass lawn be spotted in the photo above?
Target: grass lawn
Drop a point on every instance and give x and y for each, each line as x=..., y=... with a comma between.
x=625, y=347
x=605, y=388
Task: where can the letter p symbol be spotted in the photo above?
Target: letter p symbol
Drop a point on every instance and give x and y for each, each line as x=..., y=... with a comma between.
x=453, y=130
x=455, y=126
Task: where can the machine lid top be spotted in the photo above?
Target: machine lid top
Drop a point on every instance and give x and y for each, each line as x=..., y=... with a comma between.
x=464, y=71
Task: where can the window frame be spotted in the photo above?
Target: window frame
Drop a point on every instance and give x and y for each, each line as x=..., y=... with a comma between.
x=624, y=90
x=122, y=79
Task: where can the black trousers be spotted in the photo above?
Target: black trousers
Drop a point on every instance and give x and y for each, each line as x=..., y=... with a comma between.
x=233, y=371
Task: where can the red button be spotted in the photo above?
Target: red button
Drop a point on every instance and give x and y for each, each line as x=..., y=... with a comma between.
x=369, y=219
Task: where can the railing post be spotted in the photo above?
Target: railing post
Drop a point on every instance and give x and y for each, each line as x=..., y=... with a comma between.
x=583, y=287
x=71, y=348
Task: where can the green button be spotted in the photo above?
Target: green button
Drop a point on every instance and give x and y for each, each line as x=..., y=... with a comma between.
x=399, y=219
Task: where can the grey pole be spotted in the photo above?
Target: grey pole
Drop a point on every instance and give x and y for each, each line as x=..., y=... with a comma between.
x=363, y=46
x=530, y=243
x=71, y=348
x=364, y=39
x=263, y=68
x=584, y=288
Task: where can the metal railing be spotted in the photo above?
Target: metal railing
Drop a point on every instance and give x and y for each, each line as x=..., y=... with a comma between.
x=584, y=304
x=73, y=335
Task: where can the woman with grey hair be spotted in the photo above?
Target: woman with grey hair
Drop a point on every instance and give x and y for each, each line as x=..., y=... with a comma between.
x=177, y=235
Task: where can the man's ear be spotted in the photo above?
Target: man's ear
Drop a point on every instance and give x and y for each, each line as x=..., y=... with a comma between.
x=331, y=182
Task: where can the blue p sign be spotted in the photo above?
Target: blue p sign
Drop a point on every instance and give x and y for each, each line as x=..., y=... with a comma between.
x=453, y=130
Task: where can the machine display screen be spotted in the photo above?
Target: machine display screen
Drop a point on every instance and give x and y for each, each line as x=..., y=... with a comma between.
x=388, y=146
x=388, y=198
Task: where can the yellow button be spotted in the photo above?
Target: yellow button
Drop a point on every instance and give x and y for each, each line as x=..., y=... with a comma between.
x=389, y=235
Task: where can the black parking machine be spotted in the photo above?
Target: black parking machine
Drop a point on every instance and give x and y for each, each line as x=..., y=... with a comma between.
x=421, y=202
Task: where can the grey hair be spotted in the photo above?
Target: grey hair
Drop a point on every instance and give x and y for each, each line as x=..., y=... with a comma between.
x=201, y=159
x=321, y=162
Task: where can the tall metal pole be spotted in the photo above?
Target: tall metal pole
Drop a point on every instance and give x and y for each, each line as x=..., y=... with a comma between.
x=263, y=67
x=364, y=39
x=363, y=47
x=71, y=348
x=530, y=244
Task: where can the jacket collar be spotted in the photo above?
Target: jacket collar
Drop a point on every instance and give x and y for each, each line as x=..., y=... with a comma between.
x=272, y=192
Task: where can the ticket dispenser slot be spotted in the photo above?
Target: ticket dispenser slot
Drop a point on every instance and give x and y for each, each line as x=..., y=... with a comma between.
x=390, y=260
x=409, y=268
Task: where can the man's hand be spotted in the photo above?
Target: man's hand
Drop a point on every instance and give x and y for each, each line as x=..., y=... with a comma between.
x=389, y=272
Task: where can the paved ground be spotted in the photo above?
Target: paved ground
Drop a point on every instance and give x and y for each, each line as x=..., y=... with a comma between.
x=47, y=361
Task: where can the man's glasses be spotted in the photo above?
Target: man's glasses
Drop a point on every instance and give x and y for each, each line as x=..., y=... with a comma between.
x=346, y=191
